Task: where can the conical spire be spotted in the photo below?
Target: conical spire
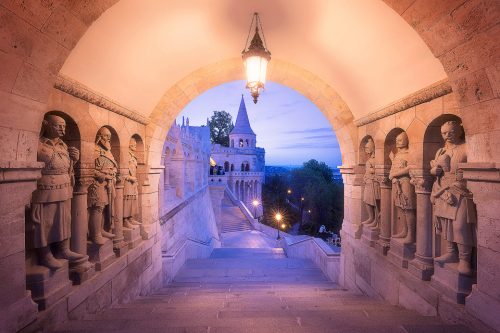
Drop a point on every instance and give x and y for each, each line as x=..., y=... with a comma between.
x=242, y=125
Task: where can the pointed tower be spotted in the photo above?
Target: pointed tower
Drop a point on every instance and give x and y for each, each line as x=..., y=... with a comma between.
x=242, y=135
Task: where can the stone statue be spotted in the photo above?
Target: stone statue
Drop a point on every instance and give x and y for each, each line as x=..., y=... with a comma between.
x=372, y=189
x=101, y=192
x=403, y=194
x=51, y=202
x=454, y=211
x=130, y=192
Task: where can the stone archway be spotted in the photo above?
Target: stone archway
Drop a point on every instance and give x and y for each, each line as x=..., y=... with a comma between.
x=322, y=95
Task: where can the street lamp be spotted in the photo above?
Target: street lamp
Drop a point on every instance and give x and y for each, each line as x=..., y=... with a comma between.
x=255, y=203
x=301, y=210
x=278, y=218
x=255, y=57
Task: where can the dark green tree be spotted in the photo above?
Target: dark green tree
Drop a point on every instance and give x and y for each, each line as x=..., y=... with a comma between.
x=322, y=197
x=220, y=127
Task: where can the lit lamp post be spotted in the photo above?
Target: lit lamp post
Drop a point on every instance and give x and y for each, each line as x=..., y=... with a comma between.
x=301, y=210
x=255, y=203
x=255, y=57
x=278, y=218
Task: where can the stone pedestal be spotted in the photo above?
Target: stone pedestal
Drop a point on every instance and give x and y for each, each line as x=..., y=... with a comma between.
x=132, y=236
x=101, y=255
x=383, y=244
x=423, y=264
x=47, y=286
x=450, y=283
x=120, y=248
x=400, y=253
x=81, y=270
x=370, y=236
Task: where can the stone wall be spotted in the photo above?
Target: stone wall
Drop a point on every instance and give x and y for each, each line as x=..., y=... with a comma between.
x=406, y=273
x=188, y=231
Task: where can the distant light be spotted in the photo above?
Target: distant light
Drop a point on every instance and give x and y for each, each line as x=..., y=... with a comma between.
x=302, y=199
x=278, y=217
x=283, y=225
x=255, y=203
x=289, y=191
x=309, y=211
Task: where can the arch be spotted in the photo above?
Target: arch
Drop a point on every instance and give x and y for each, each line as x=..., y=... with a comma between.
x=226, y=166
x=232, y=142
x=72, y=136
x=115, y=142
x=361, y=151
x=140, y=148
x=232, y=167
x=240, y=143
x=432, y=137
x=390, y=144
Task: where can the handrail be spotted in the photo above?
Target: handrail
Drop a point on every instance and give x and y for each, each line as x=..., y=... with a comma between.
x=180, y=206
x=182, y=243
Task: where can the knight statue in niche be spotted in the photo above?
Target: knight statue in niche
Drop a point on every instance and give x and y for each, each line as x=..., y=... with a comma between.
x=101, y=192
x=131, y=192
x=403, y=194
x=51, y=201
x=454, y=211
x=371, y=192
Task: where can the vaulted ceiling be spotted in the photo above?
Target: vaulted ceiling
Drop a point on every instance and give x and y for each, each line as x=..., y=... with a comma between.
x=137, y=50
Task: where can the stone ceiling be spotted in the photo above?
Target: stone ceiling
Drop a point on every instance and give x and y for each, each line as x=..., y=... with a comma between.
x=137, y=50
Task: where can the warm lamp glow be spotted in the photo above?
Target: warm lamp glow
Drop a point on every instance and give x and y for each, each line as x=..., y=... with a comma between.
x=255, y=59
x=283, y=225
x=289, y=191
x=278, y=217
x=255, y=203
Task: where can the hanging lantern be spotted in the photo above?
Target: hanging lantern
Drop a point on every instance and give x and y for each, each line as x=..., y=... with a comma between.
x=255, y=57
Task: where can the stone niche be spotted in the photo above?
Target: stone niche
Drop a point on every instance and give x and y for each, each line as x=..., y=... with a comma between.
x=430, y=271
x=68, y=276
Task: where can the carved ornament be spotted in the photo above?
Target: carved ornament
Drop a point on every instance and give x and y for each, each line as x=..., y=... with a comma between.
x=79, y=90
x=427, y=94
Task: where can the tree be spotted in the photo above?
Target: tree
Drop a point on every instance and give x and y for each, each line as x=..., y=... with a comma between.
x=322, y=196
x=220, y=127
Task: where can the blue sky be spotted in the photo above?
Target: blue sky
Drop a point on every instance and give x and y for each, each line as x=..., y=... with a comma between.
x=288, y=125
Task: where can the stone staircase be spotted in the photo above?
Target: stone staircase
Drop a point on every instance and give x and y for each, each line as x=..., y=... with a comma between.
x=232, y=219
x=256, y=290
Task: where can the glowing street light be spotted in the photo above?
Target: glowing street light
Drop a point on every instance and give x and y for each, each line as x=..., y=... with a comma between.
x=255, y=57
x=278, y=218
x=255, y=203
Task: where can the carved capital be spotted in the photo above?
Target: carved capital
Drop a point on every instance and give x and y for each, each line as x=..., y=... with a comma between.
x=422, y=180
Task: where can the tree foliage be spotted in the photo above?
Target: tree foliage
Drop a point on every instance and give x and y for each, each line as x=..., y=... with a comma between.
x=220, y=127
x=322, y=196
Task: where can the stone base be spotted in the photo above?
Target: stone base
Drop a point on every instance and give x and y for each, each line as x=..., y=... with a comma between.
x=120, y=247
x=358, y=231
x=422, y=270
x=382, y=247
x=400, y=253
x=132, y=237
x=47, y=286
x=369, y=236
x=483, y=306
x=101, y=255
x=450, y=283
x=148, y=230
x=19, y=314
x=81, y=270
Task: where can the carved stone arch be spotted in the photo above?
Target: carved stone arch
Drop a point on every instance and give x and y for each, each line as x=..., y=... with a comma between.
x=433, y=139
x=71, y=137
x=390, y=144
x=140, y=148
x=361, y=151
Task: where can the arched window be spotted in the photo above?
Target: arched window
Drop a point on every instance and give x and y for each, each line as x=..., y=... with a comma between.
x=242, y=166
x=241, y=143
x=226, y=166
x=232, y=142
x=247, y=142
x=247, y=167
x=232, y=167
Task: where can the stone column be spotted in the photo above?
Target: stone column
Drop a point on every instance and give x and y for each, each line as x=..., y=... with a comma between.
x=149, y=203
x=423, y=264
x=119, y=246
x=17, y=182
x=483, y=180
x=383, y=243
x=354, y=211
x=81, y=270
x=216, y=195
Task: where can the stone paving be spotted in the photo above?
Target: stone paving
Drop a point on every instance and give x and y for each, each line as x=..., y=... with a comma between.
x=256, y=290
